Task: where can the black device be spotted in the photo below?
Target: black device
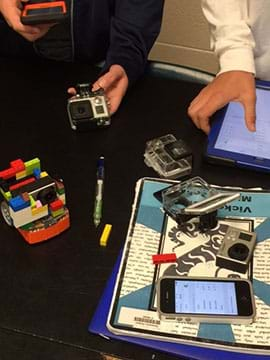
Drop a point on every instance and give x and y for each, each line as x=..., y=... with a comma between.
x=88, y=109
x=236, y=249
x=231, y=143
x=36, y=12
x=196, y=299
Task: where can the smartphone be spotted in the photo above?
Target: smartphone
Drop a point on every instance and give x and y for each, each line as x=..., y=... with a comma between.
x=43, y=12
x=196, y=299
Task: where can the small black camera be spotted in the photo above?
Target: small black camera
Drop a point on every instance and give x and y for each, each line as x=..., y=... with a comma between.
x=88, y=109
x=47, y=195
x=236, y=250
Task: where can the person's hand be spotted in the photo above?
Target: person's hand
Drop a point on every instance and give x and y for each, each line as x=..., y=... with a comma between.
x=229, y=86
x=11, y=10
x=114, y=83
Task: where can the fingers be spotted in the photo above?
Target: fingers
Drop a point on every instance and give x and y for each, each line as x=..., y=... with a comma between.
x=230, y=86
x=71, y=91
x=32, y=33
x=204, y=107
x=250, y=112
x=113, y=105
x=96, y=86
x=201, y=111
x=115, y=84
x=104, y=82
x=112, y=77
x=201, y=98
x=193, y=113
x=28, y=32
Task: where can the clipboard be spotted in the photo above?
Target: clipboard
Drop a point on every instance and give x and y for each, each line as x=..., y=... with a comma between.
x=98, y=326
x=132, y=311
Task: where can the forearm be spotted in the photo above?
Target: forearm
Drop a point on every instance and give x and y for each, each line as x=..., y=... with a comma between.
x=230, y=34
x=134, y=29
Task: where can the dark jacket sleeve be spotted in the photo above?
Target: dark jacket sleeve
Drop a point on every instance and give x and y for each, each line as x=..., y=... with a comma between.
x=135, y=26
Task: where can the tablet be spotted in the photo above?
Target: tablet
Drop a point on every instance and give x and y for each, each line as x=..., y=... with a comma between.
x=231, y=143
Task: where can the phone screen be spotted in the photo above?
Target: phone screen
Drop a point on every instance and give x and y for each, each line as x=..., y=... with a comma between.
x=208, y=296
x=235, y=137
x=205, y=297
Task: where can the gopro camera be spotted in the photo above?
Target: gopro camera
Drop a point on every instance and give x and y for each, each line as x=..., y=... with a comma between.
x=169, y=157
x=88, y=109
x=43, y=12
x=236, y=249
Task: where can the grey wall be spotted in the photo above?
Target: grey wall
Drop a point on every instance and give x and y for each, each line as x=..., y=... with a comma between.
x=184, y=37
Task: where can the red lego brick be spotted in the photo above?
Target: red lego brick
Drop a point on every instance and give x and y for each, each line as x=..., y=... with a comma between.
x=7, y=174
x=22, y=183
x=56, y=205
x=17, y=165
x=164, y=258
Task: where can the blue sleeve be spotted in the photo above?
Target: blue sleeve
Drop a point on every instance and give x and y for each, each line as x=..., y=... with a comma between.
x=135, y=26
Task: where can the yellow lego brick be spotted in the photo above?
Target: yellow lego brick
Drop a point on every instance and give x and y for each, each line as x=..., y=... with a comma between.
x=43, y=174
x=105, y=235
x=21, y=175
x=40, y=209
x=6, y=195
x=58, y=212
x=32, y=201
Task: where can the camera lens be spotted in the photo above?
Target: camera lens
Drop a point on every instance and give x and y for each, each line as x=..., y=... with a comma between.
x=238, y=252
x=47, y=195
x=81, y=110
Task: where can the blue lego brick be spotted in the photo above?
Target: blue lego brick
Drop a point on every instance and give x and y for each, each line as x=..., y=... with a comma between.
x=18, y=203
x=36, y=173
